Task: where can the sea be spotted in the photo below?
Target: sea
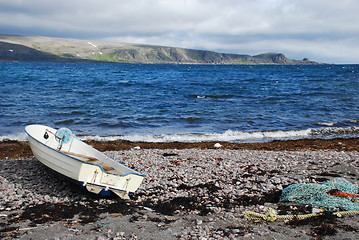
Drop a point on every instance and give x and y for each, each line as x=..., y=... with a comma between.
x=184, y=103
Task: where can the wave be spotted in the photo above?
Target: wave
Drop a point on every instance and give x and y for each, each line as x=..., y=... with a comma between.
x=331, y=132
x=345, y=123
x=16, y=137
x=212, y=96
x=227, y=136
x=237, y=136
x=327, y=124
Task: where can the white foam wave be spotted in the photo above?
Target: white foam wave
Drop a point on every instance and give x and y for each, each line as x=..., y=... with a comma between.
x=17, y=137
x=336, y=131
x=238, y=136
x=227, y=136
x=327, y=124
x=99, y=138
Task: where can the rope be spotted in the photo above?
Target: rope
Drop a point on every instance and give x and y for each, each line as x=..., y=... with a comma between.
x=272, y=215
x=343, y=213
x=338, y=193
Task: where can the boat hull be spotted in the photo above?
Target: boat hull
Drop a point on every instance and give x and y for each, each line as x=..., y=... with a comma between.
x=82, y=163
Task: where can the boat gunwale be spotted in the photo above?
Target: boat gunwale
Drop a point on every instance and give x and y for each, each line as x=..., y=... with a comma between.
x=85, y=162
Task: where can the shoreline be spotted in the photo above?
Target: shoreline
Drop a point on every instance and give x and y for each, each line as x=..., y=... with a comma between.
x=13, y=149
x=187, y=194
x=191, y=191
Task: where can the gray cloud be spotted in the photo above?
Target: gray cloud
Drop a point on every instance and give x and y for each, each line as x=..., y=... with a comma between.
x=323, y=30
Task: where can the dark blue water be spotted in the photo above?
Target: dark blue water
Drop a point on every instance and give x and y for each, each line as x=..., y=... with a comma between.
x=181, y=102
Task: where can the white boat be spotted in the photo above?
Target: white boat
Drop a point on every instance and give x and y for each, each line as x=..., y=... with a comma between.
x=61, y=151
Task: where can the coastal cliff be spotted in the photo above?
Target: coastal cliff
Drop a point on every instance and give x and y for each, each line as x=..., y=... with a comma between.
x=45, y=49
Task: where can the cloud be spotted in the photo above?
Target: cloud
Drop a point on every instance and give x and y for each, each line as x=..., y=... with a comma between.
x=321, y=29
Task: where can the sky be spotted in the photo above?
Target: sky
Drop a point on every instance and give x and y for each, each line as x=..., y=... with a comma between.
x=321, y=30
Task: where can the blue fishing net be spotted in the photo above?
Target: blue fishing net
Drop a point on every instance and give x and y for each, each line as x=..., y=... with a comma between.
x=316, y=195
x=64, y=135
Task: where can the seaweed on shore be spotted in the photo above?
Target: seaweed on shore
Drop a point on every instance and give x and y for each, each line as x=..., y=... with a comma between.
x=205, y=205
x=18, y=149
x=88, y=212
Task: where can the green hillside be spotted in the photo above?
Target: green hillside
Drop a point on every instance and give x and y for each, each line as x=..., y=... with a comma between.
x=27, y=48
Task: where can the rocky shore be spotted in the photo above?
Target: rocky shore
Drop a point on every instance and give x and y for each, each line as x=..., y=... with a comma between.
x=190, y=192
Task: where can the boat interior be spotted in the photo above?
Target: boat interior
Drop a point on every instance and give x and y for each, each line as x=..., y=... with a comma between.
x=64, y=140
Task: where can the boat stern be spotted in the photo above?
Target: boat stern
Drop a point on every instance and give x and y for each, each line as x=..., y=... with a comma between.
x=100, y=182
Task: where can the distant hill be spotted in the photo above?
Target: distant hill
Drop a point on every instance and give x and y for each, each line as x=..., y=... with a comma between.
x=45, y=49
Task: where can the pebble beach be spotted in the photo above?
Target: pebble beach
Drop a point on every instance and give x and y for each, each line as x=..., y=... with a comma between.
x=192, y=192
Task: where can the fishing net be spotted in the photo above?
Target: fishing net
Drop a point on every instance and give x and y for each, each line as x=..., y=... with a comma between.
x=64, y=135
x=337, y=194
